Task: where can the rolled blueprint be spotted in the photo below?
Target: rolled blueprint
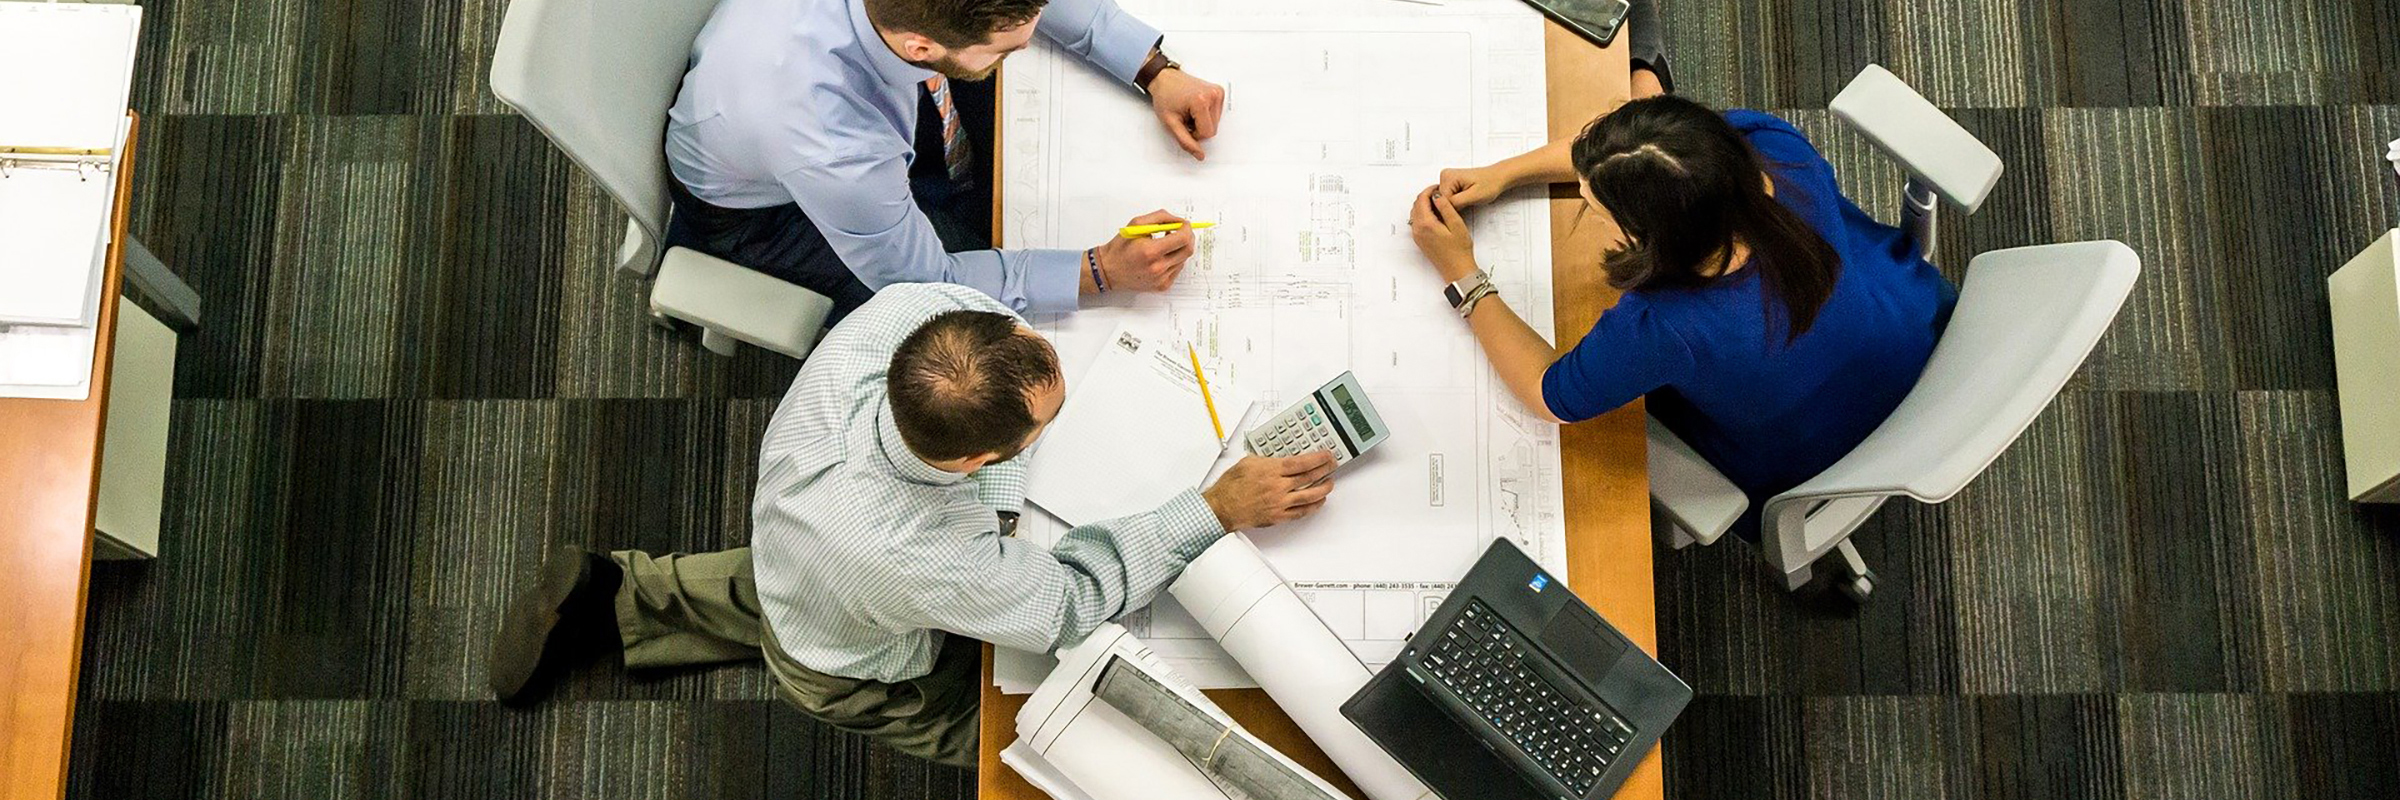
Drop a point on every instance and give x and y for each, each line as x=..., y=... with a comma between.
x=1096, y=747
x=1276, y=638
x=1208, y=741
x=1074, y=744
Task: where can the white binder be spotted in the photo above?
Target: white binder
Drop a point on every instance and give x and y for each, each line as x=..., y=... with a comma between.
x=66, y=71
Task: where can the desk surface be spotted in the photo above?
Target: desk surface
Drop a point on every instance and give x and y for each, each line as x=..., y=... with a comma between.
x=49, y=476
x=1604, y=462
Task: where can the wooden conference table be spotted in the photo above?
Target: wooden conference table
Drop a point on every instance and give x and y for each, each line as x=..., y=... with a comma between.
x=1605, y=461
x=49, y=488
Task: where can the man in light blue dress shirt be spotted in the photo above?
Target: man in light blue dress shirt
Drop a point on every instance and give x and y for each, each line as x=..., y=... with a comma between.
x=843, y=145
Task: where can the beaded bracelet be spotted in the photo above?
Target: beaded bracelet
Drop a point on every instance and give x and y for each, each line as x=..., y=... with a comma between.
x=1091, y=260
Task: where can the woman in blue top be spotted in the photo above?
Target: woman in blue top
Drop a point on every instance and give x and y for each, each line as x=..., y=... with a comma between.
x=1771, y=323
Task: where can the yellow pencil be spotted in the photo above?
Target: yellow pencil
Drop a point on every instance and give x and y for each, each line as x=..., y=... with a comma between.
x=1139, y=231
x=1204, y=398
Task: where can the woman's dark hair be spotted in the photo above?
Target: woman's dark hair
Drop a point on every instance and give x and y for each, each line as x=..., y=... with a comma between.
x=1684, y=186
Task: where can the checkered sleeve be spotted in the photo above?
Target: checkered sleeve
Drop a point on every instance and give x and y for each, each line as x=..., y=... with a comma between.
x=1018, y=594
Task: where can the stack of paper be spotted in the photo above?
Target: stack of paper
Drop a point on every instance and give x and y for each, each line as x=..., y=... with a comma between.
x=1136, y=430
x=65, y=73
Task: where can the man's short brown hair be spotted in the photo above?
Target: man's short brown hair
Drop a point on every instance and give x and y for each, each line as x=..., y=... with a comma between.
x=953, y=23
x=962, y=385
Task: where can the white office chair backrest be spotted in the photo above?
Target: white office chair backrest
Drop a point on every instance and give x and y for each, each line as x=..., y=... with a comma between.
x=2026, y=318
x=1929, y=144
x=597, y=76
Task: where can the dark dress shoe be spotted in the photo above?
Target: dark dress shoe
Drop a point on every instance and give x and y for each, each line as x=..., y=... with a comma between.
x=571, y=607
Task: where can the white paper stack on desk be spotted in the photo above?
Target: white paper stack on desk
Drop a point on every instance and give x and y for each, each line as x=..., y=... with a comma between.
x=65, y=73
x=1135, y=431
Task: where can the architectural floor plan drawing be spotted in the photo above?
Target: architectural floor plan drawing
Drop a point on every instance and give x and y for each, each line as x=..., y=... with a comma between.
x=1332, y=126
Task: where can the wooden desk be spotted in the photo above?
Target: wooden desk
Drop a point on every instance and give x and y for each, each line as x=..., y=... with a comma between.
x=1605, y=462
x=49, y=480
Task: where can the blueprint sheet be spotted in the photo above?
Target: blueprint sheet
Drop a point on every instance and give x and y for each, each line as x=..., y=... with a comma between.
x=1333, y=123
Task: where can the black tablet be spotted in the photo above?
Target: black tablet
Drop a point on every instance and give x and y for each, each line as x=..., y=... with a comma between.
x=1597, y=20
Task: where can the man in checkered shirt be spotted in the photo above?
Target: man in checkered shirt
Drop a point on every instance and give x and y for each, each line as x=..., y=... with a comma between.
x=880, y=552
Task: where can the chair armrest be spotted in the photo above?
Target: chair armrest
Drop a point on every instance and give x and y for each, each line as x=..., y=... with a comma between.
x=1691, y=492
x=1928, y=143
x=738, y=301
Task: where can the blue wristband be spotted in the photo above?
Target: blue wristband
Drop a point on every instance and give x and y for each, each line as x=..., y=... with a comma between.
x=1091, y=259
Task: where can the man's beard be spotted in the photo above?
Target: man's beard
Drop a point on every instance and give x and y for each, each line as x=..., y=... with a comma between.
x=950, y=68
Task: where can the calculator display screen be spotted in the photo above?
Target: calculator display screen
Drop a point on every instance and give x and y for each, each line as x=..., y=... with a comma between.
x=1349, y=405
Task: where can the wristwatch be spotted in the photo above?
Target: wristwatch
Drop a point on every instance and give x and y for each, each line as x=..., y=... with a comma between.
x=1159, y=62
x=1465, y=292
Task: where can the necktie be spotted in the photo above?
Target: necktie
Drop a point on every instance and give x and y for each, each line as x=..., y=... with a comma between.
x=955, y=153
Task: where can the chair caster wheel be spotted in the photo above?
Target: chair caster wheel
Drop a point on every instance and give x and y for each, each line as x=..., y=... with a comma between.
x=1859, y=588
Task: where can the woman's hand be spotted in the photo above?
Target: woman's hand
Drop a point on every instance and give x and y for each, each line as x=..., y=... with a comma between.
x=1474, y=186
x=1442, y=234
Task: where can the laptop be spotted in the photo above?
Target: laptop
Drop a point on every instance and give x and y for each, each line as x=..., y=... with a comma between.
x=1516, y=689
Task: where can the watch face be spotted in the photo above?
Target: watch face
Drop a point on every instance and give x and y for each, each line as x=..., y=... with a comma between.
x=1450, y=293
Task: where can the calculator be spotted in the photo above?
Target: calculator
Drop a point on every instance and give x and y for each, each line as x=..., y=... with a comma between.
x=1335, y=417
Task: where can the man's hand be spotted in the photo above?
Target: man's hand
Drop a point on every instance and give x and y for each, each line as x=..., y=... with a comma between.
x=1189, y=107
x=1147, y=264
x=1442, y=234
x=1259, y=491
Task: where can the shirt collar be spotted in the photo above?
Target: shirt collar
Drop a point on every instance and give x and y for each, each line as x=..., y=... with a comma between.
x=902, y=461
x=897, y=72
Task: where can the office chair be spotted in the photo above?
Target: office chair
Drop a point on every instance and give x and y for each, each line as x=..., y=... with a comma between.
x=597, y=77
x=2025, y=320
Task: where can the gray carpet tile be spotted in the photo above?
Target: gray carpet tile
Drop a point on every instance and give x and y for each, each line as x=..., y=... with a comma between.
x=2200, y=746
x=2327, y=570
x=1900, y=748
x=420, y=372
x=2030, y=747
x=489, y=462
x=311, y=749
x=2186, y=623
x=2038, y=607
x=332, y=327
x=2137, y=176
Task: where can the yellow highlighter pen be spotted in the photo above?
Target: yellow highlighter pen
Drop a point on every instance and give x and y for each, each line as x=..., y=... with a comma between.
x=1139, y=231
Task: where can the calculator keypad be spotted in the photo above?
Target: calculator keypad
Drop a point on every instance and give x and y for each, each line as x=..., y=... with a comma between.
x=1299, y=429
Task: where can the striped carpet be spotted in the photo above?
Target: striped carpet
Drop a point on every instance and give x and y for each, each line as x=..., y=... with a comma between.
x=417, y=373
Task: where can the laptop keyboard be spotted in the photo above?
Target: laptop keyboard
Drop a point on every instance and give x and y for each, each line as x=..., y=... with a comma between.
x=1482, y=660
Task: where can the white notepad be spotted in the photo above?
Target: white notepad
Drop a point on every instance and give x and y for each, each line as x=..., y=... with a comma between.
x=1133, y=433
x=53, y=222
x=65, y=73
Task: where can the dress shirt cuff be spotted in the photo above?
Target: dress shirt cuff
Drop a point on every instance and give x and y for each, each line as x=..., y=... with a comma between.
x=1053, y=280
x=1189, y=524
x=1121, y=43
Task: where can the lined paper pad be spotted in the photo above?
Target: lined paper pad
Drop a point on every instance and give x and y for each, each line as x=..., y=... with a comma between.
x=1133, y=433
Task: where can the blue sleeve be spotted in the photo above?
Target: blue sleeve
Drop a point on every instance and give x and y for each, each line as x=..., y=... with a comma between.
x=1100, y=32
x=868, y=214
x=1628, y=353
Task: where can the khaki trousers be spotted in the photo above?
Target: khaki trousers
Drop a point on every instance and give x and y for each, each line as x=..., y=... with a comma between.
x=702, y=608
